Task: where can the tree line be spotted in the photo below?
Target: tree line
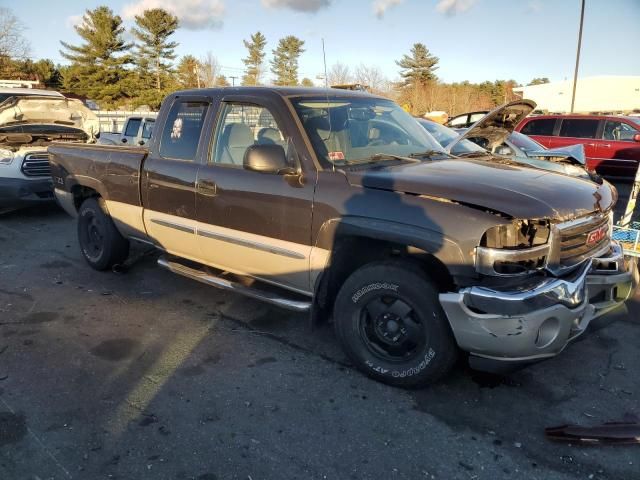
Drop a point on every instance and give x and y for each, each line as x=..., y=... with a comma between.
x=115, y=73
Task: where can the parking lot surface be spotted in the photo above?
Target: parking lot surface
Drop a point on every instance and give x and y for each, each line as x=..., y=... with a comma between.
x=147, y=375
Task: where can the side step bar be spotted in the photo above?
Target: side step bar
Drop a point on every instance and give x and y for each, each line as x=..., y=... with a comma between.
x=218, y=281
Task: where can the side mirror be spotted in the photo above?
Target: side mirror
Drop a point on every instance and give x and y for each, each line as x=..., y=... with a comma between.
x=636, y=137
x=97, y=135
x=124, y=140
x=266, y=159
x=141, y=142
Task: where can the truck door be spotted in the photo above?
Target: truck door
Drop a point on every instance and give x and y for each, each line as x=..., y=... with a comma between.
x=250, y=222
x=169, y=177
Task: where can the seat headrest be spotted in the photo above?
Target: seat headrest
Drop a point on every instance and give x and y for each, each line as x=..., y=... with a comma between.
x=239, y=134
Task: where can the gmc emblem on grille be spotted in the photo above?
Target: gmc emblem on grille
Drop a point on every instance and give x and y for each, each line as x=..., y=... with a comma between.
x=597, y=235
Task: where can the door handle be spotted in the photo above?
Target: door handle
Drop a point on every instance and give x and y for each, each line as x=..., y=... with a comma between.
x=207, y=188
x=605, y=144
x=591, y=144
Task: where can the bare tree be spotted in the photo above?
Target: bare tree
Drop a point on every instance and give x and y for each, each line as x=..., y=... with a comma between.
x=209, y=70
x=338, y=74
x=370, y=76
x=13, y=44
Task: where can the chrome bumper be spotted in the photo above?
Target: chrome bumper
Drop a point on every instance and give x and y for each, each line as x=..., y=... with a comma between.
x=538, y=320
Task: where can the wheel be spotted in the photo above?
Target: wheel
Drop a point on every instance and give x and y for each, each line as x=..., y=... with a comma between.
x=390, y=323
x=101, y=244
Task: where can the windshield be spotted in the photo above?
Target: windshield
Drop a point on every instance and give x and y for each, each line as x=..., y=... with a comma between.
x=445, y=135
x=524, y=143
x=351, y=129
x=634, y=119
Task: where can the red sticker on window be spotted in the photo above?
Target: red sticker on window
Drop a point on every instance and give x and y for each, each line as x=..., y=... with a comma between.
x=336, y=156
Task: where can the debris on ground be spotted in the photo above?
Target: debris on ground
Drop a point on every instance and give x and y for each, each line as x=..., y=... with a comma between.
x=621, y=433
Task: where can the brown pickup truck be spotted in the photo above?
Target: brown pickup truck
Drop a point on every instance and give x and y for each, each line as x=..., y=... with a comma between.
x=340, y=203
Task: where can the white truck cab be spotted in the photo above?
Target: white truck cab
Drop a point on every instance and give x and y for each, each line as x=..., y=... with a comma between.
x=137, y=130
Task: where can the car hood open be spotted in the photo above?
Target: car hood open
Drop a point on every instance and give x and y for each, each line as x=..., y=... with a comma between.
x=44, y=110
x=504, y=187
x=496, y=125
x=573, y=154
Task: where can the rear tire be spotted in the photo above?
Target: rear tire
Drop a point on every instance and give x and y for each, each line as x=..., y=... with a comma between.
x=390, y=323
x=100, y=241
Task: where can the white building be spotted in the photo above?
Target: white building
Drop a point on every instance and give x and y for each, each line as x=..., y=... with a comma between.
x=603, y=93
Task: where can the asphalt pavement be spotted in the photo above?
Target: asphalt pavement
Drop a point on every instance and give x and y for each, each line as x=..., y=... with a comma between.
x=147, y=375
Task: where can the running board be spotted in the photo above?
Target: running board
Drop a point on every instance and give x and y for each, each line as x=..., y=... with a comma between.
x=249, y=291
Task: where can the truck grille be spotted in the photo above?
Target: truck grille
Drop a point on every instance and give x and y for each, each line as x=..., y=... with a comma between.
x=36, y=165
x=577, y=241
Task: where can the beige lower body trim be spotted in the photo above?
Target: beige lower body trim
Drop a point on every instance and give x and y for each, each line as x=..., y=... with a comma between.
x=128, y=218
x=176, y=235
x=270, y=259
x=287, y=264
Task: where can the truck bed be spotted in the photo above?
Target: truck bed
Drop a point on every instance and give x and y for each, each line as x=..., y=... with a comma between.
x=111, y=170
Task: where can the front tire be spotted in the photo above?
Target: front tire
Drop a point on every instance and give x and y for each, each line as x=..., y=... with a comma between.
x=390, y=323
x=100, y=241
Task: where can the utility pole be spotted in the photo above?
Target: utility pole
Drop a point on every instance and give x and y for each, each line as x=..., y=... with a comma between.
x=233, y=80
x=575, y=73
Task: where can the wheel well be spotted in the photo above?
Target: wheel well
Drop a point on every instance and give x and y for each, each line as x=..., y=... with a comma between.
x=353, y=252
x=81, y=193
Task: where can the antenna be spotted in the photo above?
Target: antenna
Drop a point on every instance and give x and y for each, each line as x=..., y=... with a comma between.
x=324, y=59
x=326, y=89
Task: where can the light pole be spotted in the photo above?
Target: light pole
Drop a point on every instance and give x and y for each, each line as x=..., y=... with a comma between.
x=233, y=80
x=575, y=73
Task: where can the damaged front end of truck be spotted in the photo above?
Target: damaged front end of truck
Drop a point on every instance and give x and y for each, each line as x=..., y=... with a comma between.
x=543, y=282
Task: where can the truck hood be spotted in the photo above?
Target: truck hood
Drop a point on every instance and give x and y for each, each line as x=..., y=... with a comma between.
x=498, y=186
x=47, y=110
x=496, y=125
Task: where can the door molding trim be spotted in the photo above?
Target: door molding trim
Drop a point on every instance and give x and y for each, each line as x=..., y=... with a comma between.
x=176, y=226
x=252, y=244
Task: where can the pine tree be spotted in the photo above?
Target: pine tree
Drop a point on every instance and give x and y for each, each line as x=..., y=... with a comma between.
x=154, y=50
x=98, y=66
x=188, y=72
x=418, y=69
x=254, y=59
x=284, y=64
x=221, y=81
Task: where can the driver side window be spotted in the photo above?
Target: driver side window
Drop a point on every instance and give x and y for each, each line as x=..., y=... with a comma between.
x=241, y=126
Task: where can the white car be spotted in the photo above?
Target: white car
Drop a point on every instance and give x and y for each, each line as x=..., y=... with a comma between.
x=29, y=122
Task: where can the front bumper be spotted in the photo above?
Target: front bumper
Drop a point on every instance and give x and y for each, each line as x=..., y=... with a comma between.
x=18, y=192
x=538, y=320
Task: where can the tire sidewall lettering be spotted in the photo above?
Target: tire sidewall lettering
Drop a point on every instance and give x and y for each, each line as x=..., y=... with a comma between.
x=409, y=372
x=372, y=287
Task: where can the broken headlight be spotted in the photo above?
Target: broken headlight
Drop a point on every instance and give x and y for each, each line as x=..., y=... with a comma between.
x=6, y=156
x=516, y=248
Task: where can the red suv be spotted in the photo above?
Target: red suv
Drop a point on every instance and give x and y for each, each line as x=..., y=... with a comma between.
x=611, y=143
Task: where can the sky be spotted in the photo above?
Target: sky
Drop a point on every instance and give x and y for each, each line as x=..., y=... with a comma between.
x=476, y=40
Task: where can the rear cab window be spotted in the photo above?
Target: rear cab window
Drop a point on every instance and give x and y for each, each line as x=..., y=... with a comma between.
x=579, y=128
x=133, y=126
x=147, y=128
x=182, y=129
x=539, y=126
